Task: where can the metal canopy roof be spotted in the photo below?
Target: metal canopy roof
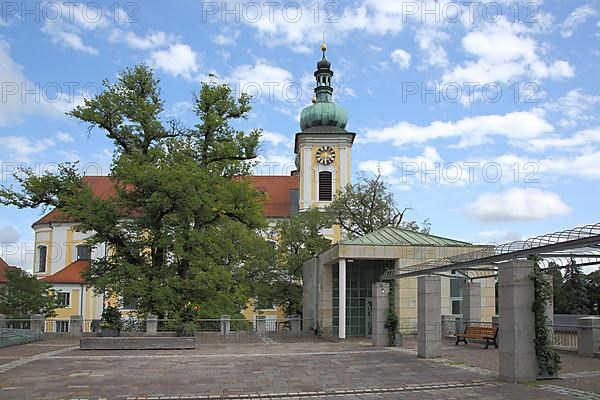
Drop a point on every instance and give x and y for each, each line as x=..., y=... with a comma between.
x=581, y=244
x=393, y=236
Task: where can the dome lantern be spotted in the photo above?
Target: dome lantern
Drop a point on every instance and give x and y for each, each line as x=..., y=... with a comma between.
x=323, y=111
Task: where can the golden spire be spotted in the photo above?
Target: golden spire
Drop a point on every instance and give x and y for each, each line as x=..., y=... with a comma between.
x=323, y=45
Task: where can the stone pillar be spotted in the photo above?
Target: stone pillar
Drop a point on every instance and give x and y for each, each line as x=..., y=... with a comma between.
x=342, y=299
x=151, y=324
x=429, y=327
x=76, y=325
x=225, y=324
x=296, y=324
x=448, y=325
x=2, y=321
x=517, y=322
x=37, y=323
x=472, y=302
x=379, y=313
x=588, y=336
x=261, y=324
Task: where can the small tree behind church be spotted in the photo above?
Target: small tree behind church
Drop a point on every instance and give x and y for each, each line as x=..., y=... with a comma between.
x=300, y=239
x=25, y=295
x=368, y=205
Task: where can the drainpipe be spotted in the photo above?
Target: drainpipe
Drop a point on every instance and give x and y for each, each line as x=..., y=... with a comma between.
x=81, y=303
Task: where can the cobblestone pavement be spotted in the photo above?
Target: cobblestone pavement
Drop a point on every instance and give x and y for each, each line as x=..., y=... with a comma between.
x=578, y=373
x=307, y=370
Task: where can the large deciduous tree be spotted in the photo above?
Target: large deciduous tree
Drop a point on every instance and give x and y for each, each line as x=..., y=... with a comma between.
x=368, y=205
x=181, y=229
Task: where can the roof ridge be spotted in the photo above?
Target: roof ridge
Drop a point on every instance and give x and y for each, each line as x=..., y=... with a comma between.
x=385, y=236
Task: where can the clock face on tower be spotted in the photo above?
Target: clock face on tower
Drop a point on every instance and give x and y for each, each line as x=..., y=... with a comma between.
x=325, y=155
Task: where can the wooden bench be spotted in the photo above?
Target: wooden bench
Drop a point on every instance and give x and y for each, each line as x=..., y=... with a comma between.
x=488, y=334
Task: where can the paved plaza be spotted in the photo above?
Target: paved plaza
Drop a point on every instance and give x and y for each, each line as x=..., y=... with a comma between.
x=314, y=369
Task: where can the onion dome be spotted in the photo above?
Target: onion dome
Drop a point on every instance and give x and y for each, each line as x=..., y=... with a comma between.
x=323, y=111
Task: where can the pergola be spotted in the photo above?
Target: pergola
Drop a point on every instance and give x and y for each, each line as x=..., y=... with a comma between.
x=512, y=263
x=581, y=244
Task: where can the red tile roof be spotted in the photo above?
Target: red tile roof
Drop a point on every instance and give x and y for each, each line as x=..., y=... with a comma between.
x=102, y=186
x=277, y=189
x=3, y=267
x=69, y=274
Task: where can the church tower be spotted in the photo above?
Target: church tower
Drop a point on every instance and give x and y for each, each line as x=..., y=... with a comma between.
x=323, y=147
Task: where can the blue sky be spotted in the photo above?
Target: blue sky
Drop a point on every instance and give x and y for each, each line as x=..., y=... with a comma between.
x=443, y=95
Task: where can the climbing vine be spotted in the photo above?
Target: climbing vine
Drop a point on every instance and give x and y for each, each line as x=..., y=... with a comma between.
x=547, y=358
x=392, y=318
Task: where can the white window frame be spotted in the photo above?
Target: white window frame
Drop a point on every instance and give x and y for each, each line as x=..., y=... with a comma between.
x=68, y=297
x=39, y=259
x=456, y=298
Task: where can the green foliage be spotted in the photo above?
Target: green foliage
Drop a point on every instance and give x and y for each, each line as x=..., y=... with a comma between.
x=547, y=358
x=25, y=295
x=181, y=228
x=593, y=289
x=367, y=206
x=111, y=318
x=392, y=318
x=300, y=239
x=186, y=329
x=575, y=290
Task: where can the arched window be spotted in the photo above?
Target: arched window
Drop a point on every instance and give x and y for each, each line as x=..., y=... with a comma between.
x=325, y=186
x=42, y=253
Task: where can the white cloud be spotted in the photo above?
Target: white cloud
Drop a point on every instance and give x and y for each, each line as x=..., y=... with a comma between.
x=430, y=39
x=9, y=234
x=385, y=168
x=576, y=18
x=401, y=57
x=272, y=163
x=21, y=97
x=517, y=204
x=14, y=250
x=226, y=38
x=177, y=59
x=580, y=139
x=497, y=236
x=304, y=23
x=264, y=81
x=152, y=40
x=583, y=165
x=22, y=147
x=78, y=18
x=277, y=139
x=68, y=39
x=64, y=137
x=503, y=52
x=575, y=106
x=471, y=131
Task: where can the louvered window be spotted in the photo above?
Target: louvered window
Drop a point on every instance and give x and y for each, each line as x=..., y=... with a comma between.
x=325, y=186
